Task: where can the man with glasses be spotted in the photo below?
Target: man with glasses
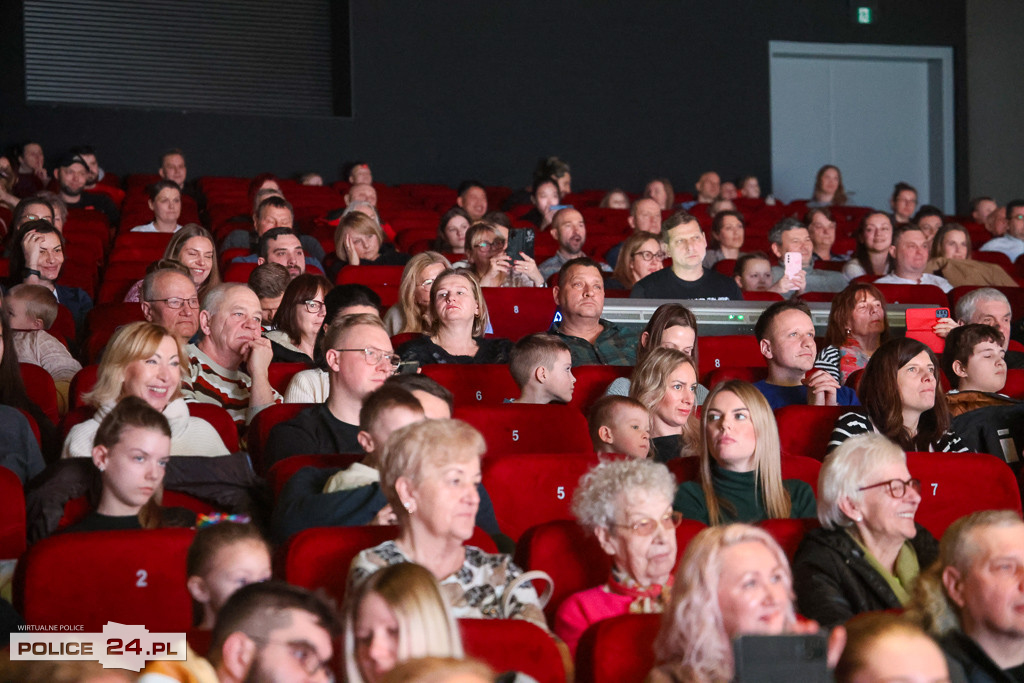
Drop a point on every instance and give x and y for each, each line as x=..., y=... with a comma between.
x=230, y=323
x=359, y=358
x=1012, y=243
x=570, y=231
x=169, y=299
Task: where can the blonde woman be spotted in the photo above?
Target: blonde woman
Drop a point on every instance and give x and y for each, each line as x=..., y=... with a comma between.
x=192, y=246
x=665, y=381
x=144, y=360
x=740, y=468
x=412, y=313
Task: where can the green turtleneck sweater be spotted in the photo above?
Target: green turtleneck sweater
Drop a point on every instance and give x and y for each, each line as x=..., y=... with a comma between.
x=738, y=488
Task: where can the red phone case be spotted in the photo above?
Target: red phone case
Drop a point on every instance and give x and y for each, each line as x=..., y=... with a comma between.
x=920, y=322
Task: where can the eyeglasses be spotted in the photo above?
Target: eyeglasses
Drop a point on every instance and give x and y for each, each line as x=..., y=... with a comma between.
x=313, y=305
x=426, y=284
x=176, y=302
x=897, y=487
x=1019, y=216
x=496, y=243
x=375, y=356
x=648, y=255
x=303, y=653
x=647, y=526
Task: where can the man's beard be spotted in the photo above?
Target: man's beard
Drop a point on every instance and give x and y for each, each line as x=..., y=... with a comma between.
x=64, y=189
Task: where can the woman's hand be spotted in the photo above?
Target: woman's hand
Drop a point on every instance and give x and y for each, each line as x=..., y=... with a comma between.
x=31, y=246
x=349, y=247
x=385, y=517
x=500, y=266
x=836, y=638
x=528, y=267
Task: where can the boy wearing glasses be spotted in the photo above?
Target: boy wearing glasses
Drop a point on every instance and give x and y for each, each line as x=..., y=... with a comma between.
x=1012, y=243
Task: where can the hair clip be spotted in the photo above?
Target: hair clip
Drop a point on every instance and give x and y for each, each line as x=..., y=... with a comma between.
x=218, y=517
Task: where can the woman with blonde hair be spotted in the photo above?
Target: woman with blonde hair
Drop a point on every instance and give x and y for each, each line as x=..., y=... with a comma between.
x=397, y=614
x=193, y=247
x=665, y=381
x=740, y=464
x=359, y=241
x=641, y=254
x=412, y=313
x=144, y=360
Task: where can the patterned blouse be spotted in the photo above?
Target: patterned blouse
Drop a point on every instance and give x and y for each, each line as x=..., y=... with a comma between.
x=474, y=592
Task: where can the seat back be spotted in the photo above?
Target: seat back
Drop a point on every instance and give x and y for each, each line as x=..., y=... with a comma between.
x=514, y=645
x=280, y=374
x=12, y=515
x=526, y=428
x=371, y=276
x=592, y=381
x=260, y=426
x=957, y=484
x=735, y=350
x=283, y=470
x=788, y=532
x=40, y=389
x=483, y=384
x=805, y=430
x=929, y=295
x=617, y=650
x=518, y=311
x=129, y=577
x=220, y=420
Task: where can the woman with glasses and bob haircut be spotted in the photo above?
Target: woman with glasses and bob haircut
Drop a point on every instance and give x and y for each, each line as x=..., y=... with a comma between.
x=640, y=255
x=458, y=320
x=627, y=505
x=493, y=266
x=299, y=318
x=144, y=360
x=869, y=550
x=412, y=313
x=740, y=464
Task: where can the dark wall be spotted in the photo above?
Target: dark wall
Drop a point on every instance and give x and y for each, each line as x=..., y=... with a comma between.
x=624, y=90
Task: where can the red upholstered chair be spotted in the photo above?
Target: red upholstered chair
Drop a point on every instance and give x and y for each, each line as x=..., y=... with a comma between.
x=280, y=374
x=526, y=428
x=12, y=515
x=1014, y=387
x=788, y=532
x=129, y=577
x=805, y=430
x=529, y=489
x=483, y=384
x=735, y=350
x=514, y=645
x=929, y=295
x=260, y=426
x=238, y=272
x=283, y=470
x=221, y=420
x=518, y=311
x=81, y=384
x=40, y=389
x=371, y=276
x=618, y=650
x=321, y=557
x=731, y=372
x=103, y=321
x=63, y=327
x=761, y=296
x=592, y=381
x=957, y=484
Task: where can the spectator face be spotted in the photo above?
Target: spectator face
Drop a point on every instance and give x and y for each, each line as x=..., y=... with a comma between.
x=631, y=431
x=648, y=216
x=930, y=225
x=455, y=302
x=167, y=206
x=274, y=217
x=94, y=168
x=545, y=196
x=798, y=240
x=687, y=246
x=731, y=234
x=618, y=200
x=885, y=517
x=133, y=469
x=237, y=322
x=649, y=258
x=32, y=156
x=289, y=652
x=878, y=233
x=646, y=559
x=1015, y=223
x=583, y=294
x=561, y=380
x=269, y=306
x=730, y=433
x=72, y=178
x=917, y=382
x=790, y=343
x=985, y=369
x=363, y=192
x=570, y=231
x=728, y=191
x=954, y=245
x=474, y=201
x=565, y=184
x=679, y=338
x=445, y=500
x=995, y=223
x=310, y=322
x=751, y=188
x=455, y=233
x=197, y=254
x=823, y=233
x=361, y=175
x=982, y=210
x=287, y=251
x=656, y=190
x=868, y=316
x=756, y=276
x=708, y=187
x=18, y=317
x=904, y=205
x=677, y=404
x=911, y=253
x=182, y=322
x=355, y=374
x=35, y=212
x=155, y=379
x=367, y=245
x=424, y=282
x=51, y=255
x=389, y=421
x=830, y=181
x=174, y=169
x=753, y=590
x=486, y=245
x=994, y=313
x=990, y=593
x=376, y=637
x=232, y=567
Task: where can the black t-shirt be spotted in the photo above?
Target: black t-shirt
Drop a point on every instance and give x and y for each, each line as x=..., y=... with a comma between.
x=665, y=448
x=314, y=431
x=169, y=517
x=664, y=284
x=98, y=202
x=424, y=351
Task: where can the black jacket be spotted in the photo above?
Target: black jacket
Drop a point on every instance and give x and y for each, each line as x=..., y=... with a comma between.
x=977, y=666
x=834, y=581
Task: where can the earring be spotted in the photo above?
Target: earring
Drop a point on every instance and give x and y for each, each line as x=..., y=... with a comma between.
x=409, y=507
x=859, y=518
x=102, y=468
x=847, y=331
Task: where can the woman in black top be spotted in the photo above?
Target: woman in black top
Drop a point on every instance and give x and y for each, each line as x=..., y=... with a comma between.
x=299, y=319
x=458, y=319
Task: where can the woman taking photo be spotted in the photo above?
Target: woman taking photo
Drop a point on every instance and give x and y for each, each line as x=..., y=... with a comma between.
x=492, y=265
x=458, y=319
x=871, y=257
x=145, y=361
x=429, y=474
x=451, y=231
x=857, y=326
x=641, y=254
x=901, y=398
x=665, y=382
x=740, y=464
x=299, y=319
x=165, y=203
x=412, y=312
x=627, y=505
x=869, y=551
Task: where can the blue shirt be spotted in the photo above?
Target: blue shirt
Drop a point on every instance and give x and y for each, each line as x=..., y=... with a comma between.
x=779, y=396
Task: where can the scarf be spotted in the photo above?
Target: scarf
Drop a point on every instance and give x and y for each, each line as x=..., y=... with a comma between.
x=646, y=600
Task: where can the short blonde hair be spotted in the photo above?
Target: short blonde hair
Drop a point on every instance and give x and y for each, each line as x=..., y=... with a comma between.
x=135, y=341
x=429, y=442
x=359, y=223
x=846, y=469
x=39, y=302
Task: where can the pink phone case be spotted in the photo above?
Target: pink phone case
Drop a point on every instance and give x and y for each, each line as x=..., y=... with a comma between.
x=794, y=263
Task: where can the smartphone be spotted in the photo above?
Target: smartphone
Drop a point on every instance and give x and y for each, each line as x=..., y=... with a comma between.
x=408, y=367
x=784, y=658
x=559, y=207
x=920, y=322
x=520, y=240
x=794, y=261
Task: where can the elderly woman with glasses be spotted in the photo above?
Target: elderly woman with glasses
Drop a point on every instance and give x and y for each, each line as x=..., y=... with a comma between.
x=639, y=256
x=627, y=505
x=299, y=318
x=869, y=550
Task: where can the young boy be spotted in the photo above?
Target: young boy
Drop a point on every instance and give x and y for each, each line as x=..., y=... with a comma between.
x=31, y=310
x=541, y=365
x=973, y=363
x=753, y=272
x=619, y=424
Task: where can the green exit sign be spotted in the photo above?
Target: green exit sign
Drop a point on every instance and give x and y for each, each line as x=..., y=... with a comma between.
x=865, y=15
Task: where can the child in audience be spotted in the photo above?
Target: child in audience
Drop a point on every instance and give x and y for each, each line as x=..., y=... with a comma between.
x=31, y=310
x=619, y=424
x=973, y=360
x=753, y=272
x=541, y=364
x=224, y=557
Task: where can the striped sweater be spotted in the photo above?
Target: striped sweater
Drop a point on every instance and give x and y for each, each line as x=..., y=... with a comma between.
x=208, y=382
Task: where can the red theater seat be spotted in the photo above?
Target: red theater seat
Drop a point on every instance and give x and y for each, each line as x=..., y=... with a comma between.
x=220, y=420
x=592, y=381
x=483, y=384
x=514, y=645
x=40, y=389
x=618, y=650
x=788, y=532
x=371, y=276
x=724, y=373
x=283, y=470
x=262, y=423
x=12, y=515
x=81, y=384
x=518, y=311
x=733, y=350
x=929, y=295
x=1014, y=387
x=805, y=430
x=88, y=579
x=525, y=428
x=280, y=374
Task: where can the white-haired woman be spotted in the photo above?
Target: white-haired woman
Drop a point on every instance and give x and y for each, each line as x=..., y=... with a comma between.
x=869, y=551
x=627, y=505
